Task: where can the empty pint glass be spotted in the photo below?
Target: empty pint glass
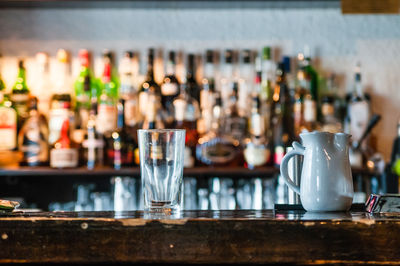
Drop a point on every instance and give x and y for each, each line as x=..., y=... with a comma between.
x=161, y=168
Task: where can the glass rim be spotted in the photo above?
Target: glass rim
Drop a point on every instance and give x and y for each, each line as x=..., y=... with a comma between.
x=162, y=130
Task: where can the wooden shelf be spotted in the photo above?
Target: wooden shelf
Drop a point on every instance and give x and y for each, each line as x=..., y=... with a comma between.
x=201, y=172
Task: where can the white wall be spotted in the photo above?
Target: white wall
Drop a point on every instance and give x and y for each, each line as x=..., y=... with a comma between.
x=338, y=40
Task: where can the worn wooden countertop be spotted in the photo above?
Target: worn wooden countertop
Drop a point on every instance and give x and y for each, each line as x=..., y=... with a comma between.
x=200, y=237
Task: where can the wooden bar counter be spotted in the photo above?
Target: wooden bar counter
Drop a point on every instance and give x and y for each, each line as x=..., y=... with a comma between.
x=292, y=237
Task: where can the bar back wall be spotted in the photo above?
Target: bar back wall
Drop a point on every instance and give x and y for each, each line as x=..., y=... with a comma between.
x=337, y=41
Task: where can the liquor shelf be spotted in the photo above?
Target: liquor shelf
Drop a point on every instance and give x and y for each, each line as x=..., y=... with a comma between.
x=248, y=236
x=233, y=172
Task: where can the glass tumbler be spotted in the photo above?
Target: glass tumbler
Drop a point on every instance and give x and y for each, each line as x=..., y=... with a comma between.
x=161, y=153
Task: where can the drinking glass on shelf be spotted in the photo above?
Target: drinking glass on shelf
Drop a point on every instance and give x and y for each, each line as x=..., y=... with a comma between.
x=161, y=153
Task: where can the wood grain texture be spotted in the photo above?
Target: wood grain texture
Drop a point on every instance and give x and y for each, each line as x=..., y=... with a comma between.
x=370, y=6
x=197, y=237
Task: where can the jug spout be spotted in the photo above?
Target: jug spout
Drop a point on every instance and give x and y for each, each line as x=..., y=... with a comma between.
x=342, y=141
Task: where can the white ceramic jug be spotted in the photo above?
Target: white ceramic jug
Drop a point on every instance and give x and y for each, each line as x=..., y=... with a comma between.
x=326, y=181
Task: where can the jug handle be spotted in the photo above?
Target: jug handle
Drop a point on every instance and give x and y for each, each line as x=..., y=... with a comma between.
x=298, y=150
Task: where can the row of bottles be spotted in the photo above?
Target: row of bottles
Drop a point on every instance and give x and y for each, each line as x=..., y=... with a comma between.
x=242, y=114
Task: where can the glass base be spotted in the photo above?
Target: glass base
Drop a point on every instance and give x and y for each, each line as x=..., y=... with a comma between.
x=163, y=208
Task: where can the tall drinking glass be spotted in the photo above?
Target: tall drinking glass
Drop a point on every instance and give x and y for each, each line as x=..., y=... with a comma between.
x=161, y=168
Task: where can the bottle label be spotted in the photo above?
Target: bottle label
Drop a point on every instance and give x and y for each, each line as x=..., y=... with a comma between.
x=20, y=102
x=63, y=158
x=106, y=118
x=279, y=152
x=256, y=155
x=143, y=102
x=188, y=158
x=310, y=110
x=180, y=106
x=137, y=156
x=359, y=117
x=131, y=112
x=257, y=125
x=8, y=128
x=156, y=152
x=56, y=120
x=327, y=109
x=216, y=152
x=169, y=89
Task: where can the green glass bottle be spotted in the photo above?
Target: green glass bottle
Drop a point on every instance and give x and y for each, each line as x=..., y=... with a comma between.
x=20, y=94
x=86, y=90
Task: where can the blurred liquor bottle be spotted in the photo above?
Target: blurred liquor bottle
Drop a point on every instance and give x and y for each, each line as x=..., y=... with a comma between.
x=191, y=84
x=120, y=144
x=42, y=87
x=228, y=75
x=33, y=136
x=86, y=89
x=8, y=124
x=148, y=85
x=266, y=70
x=64, y=153
x=187, y=112
x=113, y=83
x=246, y=79
x=20, y=94
x=106, y=120
x=60, y=104
x=235, y=124
x=2, y=84
x=129, y=69
x=217, y=147
x=257, y=152
x=330, y=107
x=207, y=94
x=282, y=122
x=358, y=108
x=169, y=89
x=92, y=149
x=153, y=117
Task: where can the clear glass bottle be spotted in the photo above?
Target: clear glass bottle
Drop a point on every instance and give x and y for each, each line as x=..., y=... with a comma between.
x=256, y=152
x=43, y=87
x=187, y=111
x=32, y=138
x=148, y=85
x=93, y=143
x=129, y=89
x=358, y=112
x=235, y=124
x=207, y=94
x=329, y=122
x=153, y=118
x=216, y=148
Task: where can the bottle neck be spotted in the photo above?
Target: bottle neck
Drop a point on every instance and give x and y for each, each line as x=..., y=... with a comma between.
x=121, y=114
x=150, y=68
x=170, y=68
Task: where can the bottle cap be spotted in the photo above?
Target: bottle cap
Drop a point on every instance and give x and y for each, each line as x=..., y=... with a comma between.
x=247, y=56
x=171, y=57
x=209, y=56
x=229, y=56
x=62, y=56
x=266, y=54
